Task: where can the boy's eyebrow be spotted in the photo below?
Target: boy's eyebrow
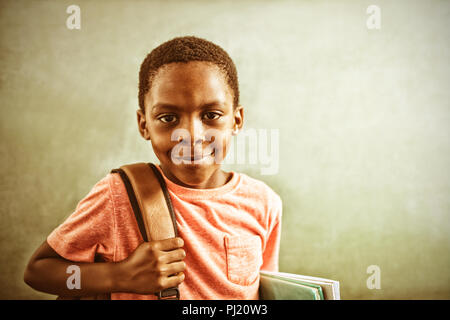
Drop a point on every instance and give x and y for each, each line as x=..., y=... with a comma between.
x=165, y=106
x=175, y=107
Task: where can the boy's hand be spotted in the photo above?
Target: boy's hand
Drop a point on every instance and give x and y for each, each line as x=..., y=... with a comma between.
x=152, y=267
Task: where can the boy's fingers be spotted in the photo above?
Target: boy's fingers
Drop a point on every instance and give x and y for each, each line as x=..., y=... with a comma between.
x=174, y=255
x=174, y=281
x=174, y=268
x=168, y=244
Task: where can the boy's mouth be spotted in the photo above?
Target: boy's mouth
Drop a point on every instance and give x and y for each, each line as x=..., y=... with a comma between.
x=198, y=158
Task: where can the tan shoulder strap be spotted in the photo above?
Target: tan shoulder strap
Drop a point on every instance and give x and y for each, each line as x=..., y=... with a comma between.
x=148, y=195
x=153, y=200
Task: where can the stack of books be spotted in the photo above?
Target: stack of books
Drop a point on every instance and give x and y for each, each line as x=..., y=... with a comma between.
x=288, y=286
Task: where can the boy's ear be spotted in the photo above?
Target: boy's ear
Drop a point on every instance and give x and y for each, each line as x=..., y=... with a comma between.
x=142, y=124
x=238, y=119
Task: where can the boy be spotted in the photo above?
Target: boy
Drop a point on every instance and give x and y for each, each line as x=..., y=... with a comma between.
x=229, y=224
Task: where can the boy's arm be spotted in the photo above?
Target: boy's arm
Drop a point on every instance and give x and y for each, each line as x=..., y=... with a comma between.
x=47, y=272
x=271, y=252
x=272, y=247
x=149, y=269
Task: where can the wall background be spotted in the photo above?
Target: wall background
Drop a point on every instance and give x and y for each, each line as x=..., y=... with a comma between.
x=363, y=118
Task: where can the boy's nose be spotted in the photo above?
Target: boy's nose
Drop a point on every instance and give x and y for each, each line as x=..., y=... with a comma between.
x=196, y=132
x=191, y=133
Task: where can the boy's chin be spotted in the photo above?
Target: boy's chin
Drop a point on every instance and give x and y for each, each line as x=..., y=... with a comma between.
x=191, y=174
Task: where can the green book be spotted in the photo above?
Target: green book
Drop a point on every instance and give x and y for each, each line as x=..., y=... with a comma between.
x=288, y=286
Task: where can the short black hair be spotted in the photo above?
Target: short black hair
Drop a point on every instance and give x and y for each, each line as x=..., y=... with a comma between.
x=186, y=49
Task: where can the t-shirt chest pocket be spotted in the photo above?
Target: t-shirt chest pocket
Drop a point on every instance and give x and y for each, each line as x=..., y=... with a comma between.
x=244, y=258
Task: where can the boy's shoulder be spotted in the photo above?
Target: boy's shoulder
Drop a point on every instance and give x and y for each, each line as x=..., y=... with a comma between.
x=259, y=189
x=249, y=187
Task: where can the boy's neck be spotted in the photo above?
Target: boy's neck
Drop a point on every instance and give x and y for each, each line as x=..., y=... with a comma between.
x=218, y=179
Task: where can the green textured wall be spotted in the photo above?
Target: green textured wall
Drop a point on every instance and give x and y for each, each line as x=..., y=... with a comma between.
x=363, y=117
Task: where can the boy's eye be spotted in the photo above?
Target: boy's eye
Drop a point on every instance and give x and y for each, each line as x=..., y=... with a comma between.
x=168, y=118
x=211, y=115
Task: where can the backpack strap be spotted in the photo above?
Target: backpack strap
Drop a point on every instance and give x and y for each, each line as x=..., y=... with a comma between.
x=152, y=207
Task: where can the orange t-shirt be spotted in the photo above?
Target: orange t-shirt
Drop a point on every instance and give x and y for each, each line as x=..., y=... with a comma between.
x=230, y=233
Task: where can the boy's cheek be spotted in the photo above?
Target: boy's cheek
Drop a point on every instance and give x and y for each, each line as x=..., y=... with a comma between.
x=161, y=147
x=220, y=146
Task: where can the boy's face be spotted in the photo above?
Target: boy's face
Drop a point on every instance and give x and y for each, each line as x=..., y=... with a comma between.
x=189, y=119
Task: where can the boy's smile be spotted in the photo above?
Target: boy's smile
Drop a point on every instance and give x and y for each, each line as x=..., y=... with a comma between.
x=189, y=119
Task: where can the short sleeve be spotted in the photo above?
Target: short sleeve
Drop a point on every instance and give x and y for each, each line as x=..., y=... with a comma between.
x=272, y=248
x=89, y=231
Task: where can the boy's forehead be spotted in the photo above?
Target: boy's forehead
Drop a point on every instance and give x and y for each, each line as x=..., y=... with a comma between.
x=188, y=84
